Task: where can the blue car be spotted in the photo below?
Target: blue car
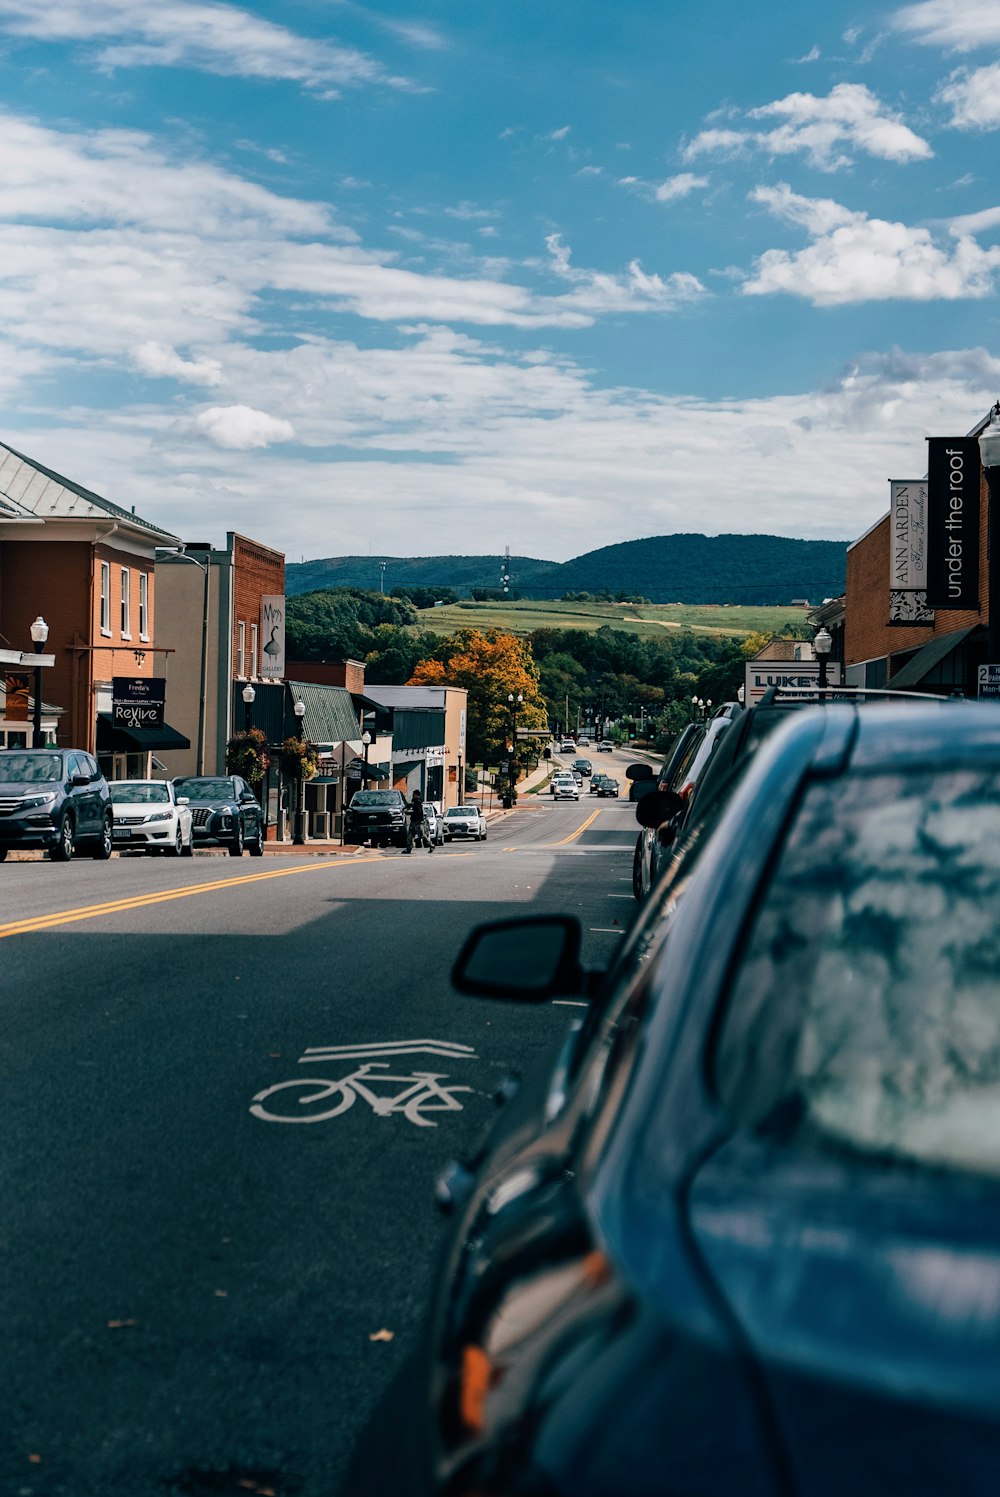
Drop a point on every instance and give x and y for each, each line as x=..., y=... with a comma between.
x=744, y=1236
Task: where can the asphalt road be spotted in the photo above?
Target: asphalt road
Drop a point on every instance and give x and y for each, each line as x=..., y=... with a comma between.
x=199, y=1300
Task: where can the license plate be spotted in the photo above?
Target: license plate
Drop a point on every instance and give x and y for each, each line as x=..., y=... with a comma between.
x=121, y=831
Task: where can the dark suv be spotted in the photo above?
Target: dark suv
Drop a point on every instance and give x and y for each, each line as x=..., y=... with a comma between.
x=378, y=817
x=224, y=813
x=56, y=799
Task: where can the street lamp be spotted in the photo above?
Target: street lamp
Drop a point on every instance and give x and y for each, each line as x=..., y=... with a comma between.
x=366, y=739
x=515, y=703
x=299, y=829
x=989, y=452
x=249, y=696
x=39, y=634
x=823, y=644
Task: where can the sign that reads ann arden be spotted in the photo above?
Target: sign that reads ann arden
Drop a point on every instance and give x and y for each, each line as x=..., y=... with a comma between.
x=137, y=701
x=908, y=552
x=953, y=522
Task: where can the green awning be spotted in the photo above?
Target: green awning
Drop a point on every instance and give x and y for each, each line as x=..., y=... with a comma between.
x=927, y=657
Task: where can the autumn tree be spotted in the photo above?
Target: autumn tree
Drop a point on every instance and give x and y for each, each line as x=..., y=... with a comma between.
x=491, y=666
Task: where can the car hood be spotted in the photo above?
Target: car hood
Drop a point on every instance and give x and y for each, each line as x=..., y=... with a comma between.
x=142, y=805
x=20, y=787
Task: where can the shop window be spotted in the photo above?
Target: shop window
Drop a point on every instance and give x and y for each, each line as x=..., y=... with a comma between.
x=144, y=605
x=241, y=649
x=126, y=602
x=253, y=649
x=105, y=597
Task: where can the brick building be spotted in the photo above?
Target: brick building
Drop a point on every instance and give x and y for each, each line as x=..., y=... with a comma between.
x=88, y=567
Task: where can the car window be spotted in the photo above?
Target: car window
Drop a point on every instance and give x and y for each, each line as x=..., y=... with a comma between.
x=92, y=767
x=77, y=765
x=139, y=792
x=865, y=1012
x=30, y=769
x=376, y=798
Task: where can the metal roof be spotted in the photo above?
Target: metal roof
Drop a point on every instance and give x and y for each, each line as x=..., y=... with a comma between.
x=409, y=698
x=330, y=715
x=927, y=657
x=34, y=491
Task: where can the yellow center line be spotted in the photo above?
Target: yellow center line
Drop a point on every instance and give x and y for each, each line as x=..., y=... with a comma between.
x=139, y=901
x=540, y=846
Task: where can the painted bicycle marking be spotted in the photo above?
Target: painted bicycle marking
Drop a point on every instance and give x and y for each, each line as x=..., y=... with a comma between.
x=415, y=1095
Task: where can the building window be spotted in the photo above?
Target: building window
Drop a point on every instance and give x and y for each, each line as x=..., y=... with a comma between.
x=126, y=616
x=143, y=605
x=241, y=649
x=105, y=597
x=253, y=649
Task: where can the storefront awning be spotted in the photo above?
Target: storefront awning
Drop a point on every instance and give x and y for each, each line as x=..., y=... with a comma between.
x=927, y=657
x=112, y=740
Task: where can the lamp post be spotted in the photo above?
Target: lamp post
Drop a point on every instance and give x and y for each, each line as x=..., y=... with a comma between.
x=249, y=697
x=39, y=634
x=989, y=452
x=823, y=644
x=299, y=829
x=514, y=702
x=366, y=739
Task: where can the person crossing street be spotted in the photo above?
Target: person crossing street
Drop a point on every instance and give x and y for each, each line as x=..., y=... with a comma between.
x=417, y=829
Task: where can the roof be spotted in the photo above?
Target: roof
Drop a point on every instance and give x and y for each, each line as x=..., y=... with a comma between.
x=408, y=698
x=28, y=490
x=926, y=658
x=330, y=716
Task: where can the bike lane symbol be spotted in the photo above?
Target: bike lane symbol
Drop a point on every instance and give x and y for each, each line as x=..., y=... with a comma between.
x=414, y=1095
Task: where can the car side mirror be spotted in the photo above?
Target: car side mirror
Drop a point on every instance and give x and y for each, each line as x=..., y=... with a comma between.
x=657, y=806
x=526, y=960
x=80, y=779
x=183, y=800
x=640, y=772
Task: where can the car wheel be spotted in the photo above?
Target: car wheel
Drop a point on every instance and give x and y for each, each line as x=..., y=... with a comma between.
x=178, y=844
x=65, y=844
x=102, y=851
x=256, y=847
x=187, y=850
x=236, y=846
x=637, y=870
x=482, y=835
x=3, y=853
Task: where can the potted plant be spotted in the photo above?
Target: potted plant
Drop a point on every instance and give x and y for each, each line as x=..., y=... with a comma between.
x=246, y=755
x=299, y=759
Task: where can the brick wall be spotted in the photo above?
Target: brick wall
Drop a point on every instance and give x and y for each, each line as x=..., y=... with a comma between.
x=257, y=572
x=350, y=674
x=867, y=636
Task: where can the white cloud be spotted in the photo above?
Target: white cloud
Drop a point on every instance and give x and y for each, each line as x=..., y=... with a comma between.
x=854, y=258
x=974, y=223
x=559, y=134
x=678, y=187
x=239, y=427
x=158, y=359
x=212, y=37
x=849, y=119
x=813, y=55
x=636, y=291
x=956, y=25
x=973, y=97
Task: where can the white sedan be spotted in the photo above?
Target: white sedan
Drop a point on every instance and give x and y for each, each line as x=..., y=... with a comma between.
x=464, y=821
x=565, y=785
x=149, y=816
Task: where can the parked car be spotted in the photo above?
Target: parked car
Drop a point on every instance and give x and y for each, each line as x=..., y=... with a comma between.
x=150, y=816
x=565, y=786
x=757, y=1191
x=224, y=813
x=679, y=778
x=432, y=810
x=604, y=785
x=56, y=799
x=464, y=821
x=376, y=816
x=583, y=767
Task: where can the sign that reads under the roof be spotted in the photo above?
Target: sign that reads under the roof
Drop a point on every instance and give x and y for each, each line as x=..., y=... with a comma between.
x=953, y=478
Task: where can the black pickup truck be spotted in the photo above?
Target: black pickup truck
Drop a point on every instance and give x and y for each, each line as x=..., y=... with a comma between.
x=376, y=816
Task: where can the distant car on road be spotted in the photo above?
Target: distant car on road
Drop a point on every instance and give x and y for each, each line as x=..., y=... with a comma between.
x=56, y=799
x=606, y=746
x=224, y=813
x=567, y=746
x=376, y=816
x=604, y=785
x=583, y=743
x=583, y=766
x=464, y=821
x=150, y=816
x=565, y=786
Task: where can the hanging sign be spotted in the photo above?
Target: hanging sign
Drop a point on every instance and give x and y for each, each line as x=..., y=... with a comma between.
x=908, y=553
x=16, y=689
x=272, y=634
x=953, y=522
x=137, y=701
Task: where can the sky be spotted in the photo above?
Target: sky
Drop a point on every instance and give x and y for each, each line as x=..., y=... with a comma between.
x=455, y=275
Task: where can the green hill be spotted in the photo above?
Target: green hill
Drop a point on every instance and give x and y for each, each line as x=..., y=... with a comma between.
x=741, y=569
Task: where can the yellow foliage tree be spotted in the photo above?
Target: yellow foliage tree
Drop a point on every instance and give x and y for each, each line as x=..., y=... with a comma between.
x=492, y=667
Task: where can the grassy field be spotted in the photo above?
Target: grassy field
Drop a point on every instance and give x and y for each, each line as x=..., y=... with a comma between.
x=648, y=620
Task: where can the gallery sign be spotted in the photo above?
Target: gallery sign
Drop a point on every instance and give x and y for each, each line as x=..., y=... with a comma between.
x=953, y=522
x=138, y=701
x=908, y=552
x=272, y=635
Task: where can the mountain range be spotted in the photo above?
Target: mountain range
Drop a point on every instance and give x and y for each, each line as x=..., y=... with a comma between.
x=745, y=569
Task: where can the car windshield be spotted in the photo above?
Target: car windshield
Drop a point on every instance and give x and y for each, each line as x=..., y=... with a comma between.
x=139, y=792
x=376, y=798
x=462, y=811
x=865, y=1014
x=30, y=769
x=207, y=789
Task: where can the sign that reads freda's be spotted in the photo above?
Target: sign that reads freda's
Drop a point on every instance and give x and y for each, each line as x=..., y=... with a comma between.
x=137, y=701
x=953, y=522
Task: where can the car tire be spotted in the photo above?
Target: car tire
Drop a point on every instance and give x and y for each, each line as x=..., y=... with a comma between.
x=3, y=853
x=236, y=846
x=178, y=844
x=65, y=844
x=637, y=870
x=187, y=850
x=482, y=835
x=256, y=847
x=105, y=846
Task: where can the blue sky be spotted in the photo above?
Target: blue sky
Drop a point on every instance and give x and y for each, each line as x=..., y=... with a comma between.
x=451, y=276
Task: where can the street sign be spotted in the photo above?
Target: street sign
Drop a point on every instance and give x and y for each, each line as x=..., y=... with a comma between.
x=989, y=682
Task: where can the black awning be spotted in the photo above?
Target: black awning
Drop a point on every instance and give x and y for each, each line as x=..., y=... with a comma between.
x=112, y=740
x=927, y=657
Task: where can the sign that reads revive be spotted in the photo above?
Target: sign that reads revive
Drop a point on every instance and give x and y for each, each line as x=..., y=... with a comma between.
x=137, y=701
x=953, y=522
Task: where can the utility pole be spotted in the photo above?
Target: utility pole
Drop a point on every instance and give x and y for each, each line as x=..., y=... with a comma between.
x=505, y=573
x=381, y=580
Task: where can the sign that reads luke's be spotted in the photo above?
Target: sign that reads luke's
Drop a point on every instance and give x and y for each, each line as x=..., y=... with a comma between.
x=908, y=552
x=953, y=522
x=137, y=701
